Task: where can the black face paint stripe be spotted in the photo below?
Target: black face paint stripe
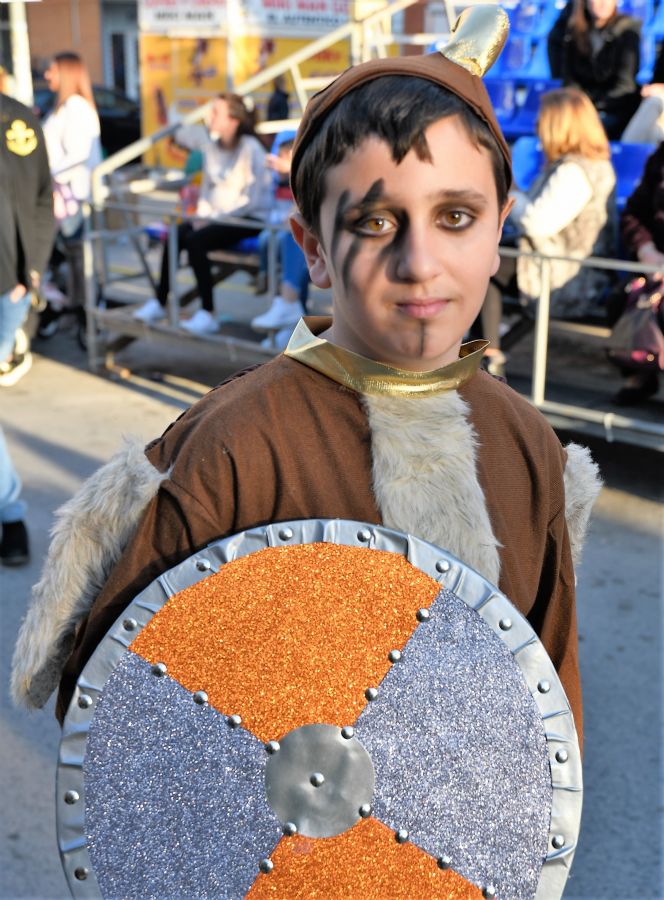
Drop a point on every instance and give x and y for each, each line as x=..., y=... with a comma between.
x=353, y=250
x=342, y=206
x=423, y=336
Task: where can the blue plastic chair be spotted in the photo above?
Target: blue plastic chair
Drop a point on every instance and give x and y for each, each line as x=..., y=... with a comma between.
x=648, y=56
x=533, y=18
x=629, y=161
x=527, y=160
x=525, y=121
x=503, y=99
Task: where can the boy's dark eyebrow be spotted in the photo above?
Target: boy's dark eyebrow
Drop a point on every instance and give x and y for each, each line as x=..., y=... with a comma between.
x=446, y=195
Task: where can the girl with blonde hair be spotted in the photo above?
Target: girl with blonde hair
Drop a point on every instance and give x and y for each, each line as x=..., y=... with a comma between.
x=569, y=210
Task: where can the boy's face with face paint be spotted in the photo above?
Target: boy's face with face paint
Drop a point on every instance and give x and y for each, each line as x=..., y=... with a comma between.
x=407, y=249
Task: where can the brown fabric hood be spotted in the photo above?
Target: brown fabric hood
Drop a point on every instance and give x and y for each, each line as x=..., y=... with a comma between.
x=432, y=67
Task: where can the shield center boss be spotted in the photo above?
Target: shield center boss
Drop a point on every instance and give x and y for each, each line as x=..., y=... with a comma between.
x=319, y=780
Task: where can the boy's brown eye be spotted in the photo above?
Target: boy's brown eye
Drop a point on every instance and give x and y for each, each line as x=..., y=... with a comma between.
x=456, y=218
x=374, y=225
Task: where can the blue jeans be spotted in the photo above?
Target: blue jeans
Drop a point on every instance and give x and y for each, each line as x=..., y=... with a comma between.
x=12, y=509
x=294, y=269
x=12, y=316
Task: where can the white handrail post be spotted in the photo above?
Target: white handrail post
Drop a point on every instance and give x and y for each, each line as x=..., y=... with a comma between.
x=541, y=333
x=173, y=303
x=90, y=288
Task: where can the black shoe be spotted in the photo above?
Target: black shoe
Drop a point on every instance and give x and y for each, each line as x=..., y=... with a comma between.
x=49, y=322
x=638, y=389
x=14, y=549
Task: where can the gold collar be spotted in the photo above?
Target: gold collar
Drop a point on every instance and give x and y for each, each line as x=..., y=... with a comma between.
x=366, y=376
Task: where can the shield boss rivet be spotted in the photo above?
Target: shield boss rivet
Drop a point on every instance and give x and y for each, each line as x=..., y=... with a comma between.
x=81, y=873
x=319, y=780
x=558, y=841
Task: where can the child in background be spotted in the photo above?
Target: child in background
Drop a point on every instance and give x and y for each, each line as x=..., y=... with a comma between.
x=288, y=306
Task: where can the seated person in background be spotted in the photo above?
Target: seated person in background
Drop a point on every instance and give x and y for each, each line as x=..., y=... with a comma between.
x=289, y=306
x=601, y=56
x=235, y=183
x=642, y=233
x=647, y=124
x=569, y=210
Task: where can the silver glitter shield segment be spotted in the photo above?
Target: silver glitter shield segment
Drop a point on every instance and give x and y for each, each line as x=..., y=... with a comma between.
x=460, y=754
x=161, y=776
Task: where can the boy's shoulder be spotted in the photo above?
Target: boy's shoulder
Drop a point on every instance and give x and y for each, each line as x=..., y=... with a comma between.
x=503, y=416
x=252, y=404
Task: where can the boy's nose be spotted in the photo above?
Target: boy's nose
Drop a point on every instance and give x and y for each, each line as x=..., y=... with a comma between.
x=418, y=255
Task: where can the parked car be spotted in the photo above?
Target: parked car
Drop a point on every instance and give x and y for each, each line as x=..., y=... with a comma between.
x=119, y=115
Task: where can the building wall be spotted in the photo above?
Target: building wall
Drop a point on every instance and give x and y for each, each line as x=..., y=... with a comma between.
x=57, y=25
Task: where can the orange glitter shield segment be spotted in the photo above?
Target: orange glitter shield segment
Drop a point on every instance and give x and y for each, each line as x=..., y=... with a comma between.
x=289, y=636
x=365, y=862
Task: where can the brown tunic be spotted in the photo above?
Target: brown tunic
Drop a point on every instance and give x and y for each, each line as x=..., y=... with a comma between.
x=285, y=442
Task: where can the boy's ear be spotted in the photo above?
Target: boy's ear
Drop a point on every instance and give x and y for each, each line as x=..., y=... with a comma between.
x=505, y=211
x=313, y=251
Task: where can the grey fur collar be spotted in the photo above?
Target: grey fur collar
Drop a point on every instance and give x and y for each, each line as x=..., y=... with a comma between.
x=88, y=537
x=417, y=479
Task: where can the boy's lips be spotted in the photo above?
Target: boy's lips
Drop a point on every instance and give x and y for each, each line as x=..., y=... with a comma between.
x=422, y=309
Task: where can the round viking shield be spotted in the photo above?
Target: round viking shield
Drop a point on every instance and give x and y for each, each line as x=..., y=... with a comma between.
x=319, y=708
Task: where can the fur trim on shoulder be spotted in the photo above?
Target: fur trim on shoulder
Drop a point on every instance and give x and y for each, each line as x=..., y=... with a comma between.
x=425, y=476
x=90, y=532
x=582, y=486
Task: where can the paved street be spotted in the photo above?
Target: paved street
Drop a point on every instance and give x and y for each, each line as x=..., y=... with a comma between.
x=62, y=422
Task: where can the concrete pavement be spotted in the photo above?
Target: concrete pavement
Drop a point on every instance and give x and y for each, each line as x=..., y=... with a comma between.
x=62, y=422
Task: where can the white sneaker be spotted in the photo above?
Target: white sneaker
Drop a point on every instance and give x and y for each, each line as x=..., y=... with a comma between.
x=150, y=311
x=202, y=322
x=281, y=314
x=12, y=372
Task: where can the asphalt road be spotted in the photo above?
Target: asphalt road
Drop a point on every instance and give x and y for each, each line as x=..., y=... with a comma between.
x=62, y=422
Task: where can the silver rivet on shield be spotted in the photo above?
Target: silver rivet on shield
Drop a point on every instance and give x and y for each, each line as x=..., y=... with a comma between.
x=85, y=701
x=81, y=873
x=562, y=756
x=317, y=779
x=235, y=720
x=347, y=732
x=558, y=841
x=364, y=535
x=442, y=566
x=285, y=534
x=489, y=892
x=423, y=615
x=365, y=810
x=401, y=836
x=130, y=624
x=289, y=829
x=394, y=656
x=72, y=797
x=543, y=686
x=266, y=866
x=201, y=698
x=159, y=669
x=272, y=747
x=203, y=565
x=371, y=693
x=505, y=624
x=444, y=862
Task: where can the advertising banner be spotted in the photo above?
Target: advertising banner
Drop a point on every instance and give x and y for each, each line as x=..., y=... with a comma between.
x=160, y=16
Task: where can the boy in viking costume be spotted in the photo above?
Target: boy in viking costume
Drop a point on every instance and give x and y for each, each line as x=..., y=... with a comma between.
x=379, y=414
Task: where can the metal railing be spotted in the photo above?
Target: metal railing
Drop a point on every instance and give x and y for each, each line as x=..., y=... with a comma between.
x=610, y=424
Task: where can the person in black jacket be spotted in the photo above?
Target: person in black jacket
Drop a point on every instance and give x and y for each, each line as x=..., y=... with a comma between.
x=27, y=227
x=601, y=55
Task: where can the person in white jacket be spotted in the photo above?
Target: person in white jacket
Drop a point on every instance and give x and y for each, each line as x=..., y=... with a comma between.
x=237, y=183
x=568, y=211
x=72, y=135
